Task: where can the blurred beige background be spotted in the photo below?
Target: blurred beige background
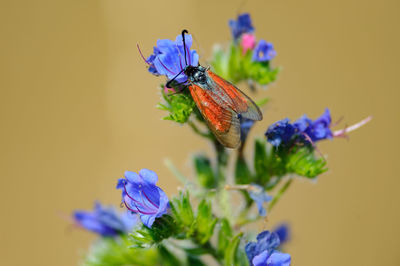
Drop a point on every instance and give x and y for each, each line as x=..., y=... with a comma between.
x=78, y=109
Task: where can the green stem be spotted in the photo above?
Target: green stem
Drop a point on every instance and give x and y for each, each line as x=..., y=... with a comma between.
x=183, y=179
x=280, y=193
x=198, y=131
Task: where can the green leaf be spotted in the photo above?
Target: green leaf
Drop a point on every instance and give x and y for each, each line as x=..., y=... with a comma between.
x=204, y=224
x=304, y=163
x=182, y=209
x=204, y=171
x=230, y=257
x=224, y=236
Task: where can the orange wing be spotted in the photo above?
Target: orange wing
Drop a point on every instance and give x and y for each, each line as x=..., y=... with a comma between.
x=235, y=98
x=222, y=121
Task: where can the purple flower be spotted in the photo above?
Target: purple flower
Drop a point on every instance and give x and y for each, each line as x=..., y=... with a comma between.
x=264, y=51
x=280, y=132
x=283, y=232
x=259, y=196
x=304, y=130
x=318, y=129
x=105, y=221
x=168, y=58
x=264, y=251
x=241, y=25
x=141, y=195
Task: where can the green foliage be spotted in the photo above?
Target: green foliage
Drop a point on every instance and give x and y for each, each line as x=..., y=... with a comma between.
x=182, y=210
x=272, y=164
x=163, y=228
x=204, y=171
x=204, y=224
x=180, y=106
x=304, y=163
x=299, y=160
x=199, y=227
x=231, y=252
x=225, y=234
x=118, y=252
x=235, y=66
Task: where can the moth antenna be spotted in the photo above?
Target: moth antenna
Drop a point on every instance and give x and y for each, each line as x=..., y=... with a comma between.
x=184, y=44
x=168, y=85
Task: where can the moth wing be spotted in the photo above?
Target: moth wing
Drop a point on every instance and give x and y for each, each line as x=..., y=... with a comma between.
x=235, y=98
x=222, y=120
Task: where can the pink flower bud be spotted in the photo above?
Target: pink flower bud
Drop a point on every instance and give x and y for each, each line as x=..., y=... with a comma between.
x=248, y=42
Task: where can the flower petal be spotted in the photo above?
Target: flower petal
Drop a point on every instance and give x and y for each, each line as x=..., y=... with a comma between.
x=133, y=177
x=278, y=259
x=261, y=259
x=148, y=176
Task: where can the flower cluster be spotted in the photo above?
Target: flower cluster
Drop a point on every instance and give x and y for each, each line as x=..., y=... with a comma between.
x=246, y=59
x=303, y=130
x=105, y=221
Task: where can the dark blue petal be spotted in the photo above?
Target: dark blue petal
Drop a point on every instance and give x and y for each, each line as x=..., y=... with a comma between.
x=280, y=132
x=302, y=123
x=319, y=129
x=266, y=241
x=241, y=26
x=283, y=233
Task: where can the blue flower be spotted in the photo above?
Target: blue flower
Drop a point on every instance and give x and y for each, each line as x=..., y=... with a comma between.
x=141, y=195
x=264, y=251
x=280, y=132
x=168, y=58
x=264, y=51
x=105, y=221
x=283, y=233
x=241, y=26
x=319, y=129
x=304, y=130
x=259, y=196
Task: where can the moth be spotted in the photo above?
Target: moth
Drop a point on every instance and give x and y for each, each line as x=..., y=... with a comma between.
x=220, y=102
